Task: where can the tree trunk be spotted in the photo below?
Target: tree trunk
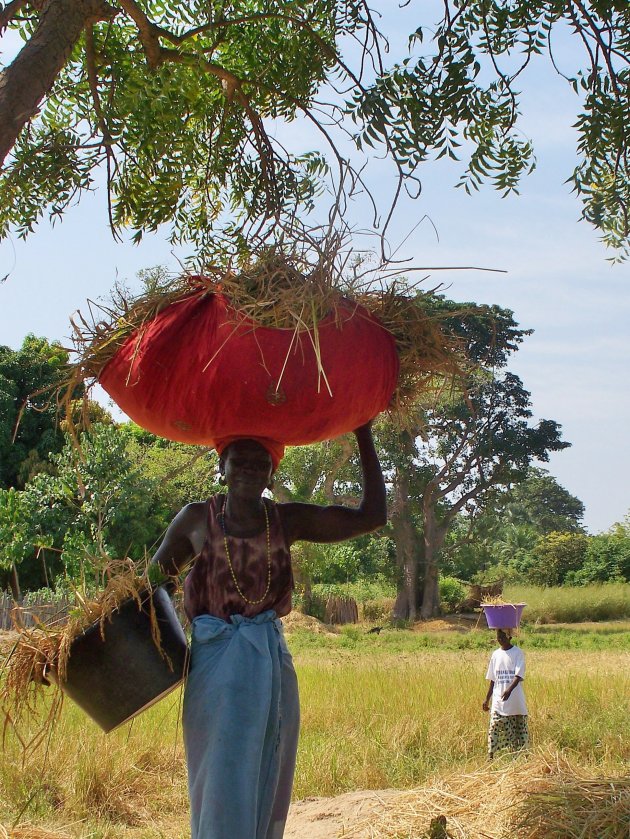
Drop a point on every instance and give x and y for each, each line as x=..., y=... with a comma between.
x=430, y=591
x=406, y=549
x=434, y=535
x=27, y=80
x=14, y=582
x=42, y=554
x=330, y=476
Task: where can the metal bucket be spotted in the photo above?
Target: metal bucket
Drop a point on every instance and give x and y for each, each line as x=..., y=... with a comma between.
x=117, y=674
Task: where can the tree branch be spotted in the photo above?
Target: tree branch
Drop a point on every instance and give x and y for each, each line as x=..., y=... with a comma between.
x=331, y=474
x=600, y=42
x=31, y=75
x=233, y=90
x=224, y=24
x=461, y=502
x=8, y=12
x=147, y=30
x=506, y=81
x=90, y=64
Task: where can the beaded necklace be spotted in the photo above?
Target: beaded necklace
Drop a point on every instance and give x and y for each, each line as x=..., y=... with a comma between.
x=229, y=561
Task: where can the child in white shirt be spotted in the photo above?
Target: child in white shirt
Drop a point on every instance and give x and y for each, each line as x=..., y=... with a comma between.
x=508, y=713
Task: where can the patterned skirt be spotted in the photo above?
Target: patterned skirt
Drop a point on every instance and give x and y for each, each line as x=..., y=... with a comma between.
x=507, y=733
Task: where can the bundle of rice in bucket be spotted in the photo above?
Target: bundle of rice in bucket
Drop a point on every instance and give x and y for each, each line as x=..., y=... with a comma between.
x=503, y=615
x=118, y=668
x=115, y=656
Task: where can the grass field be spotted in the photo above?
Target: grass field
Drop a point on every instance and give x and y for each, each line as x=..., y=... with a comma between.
x=462, y=635
x=404, y=717
x=378, y=710
x=572, y=604
x=556, y=604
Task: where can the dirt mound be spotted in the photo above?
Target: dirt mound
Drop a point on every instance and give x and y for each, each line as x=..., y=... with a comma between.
x=328, y=818
x=451, y=623
x=297, y=620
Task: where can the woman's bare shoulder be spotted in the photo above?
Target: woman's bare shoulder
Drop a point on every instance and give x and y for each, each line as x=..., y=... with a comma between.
x=191, y=516
x=185, y=536
x=194, y=508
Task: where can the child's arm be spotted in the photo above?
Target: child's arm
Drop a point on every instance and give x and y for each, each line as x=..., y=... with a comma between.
x=510, y=688
x=486, y=701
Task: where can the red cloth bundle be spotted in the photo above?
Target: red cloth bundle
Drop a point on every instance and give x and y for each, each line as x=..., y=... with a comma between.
x=200, y=372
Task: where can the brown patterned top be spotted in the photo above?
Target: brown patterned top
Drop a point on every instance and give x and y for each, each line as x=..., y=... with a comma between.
x=209, y=588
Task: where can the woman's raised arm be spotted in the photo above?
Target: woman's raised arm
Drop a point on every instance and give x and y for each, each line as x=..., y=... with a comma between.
x=314, y=523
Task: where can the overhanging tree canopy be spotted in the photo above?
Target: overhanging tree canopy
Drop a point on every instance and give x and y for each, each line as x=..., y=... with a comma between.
x=177, y=101
x=171, y=98
x=459, y=95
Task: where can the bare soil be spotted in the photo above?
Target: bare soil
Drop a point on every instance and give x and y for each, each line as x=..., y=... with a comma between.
x=329, y=818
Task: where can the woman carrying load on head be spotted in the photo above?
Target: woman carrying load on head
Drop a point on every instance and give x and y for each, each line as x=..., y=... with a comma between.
x=241, y=710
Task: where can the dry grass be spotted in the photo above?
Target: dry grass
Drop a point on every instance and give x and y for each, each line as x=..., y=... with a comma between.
x=544, y=796
x=410, y=721
x=394, y=720
x=297, y=620
x=571, y=604
x=90, y=784
x=31, y=831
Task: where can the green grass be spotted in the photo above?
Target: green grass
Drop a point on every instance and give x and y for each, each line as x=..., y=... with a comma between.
x=572, y=604
x=560, y=604
x=354, y=641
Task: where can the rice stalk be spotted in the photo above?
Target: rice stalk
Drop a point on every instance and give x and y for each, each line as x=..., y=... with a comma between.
x=31, y=831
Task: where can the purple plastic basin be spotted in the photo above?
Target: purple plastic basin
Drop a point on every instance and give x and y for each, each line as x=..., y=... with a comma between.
x=504, y=616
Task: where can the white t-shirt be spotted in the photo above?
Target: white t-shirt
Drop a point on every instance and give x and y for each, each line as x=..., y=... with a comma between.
x=504, y=666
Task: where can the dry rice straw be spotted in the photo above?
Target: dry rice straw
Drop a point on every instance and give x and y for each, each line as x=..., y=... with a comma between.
x=31, y=831
x=284, y=291
x=541, y=796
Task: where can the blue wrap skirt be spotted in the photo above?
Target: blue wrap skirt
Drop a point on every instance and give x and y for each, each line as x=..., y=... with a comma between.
x=241, y=723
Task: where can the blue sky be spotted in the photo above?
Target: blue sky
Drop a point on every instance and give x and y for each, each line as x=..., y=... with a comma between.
x=558, y=282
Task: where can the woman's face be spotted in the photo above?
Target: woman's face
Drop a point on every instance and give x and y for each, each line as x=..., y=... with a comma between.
x=247, y=468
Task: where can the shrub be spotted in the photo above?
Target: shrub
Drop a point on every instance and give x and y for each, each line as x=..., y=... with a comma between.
x=607, y=559
x=556, y=555
x=377, y=611
x=501, y=571
x=361, y=590
x=365, y=557
x=452, y=592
